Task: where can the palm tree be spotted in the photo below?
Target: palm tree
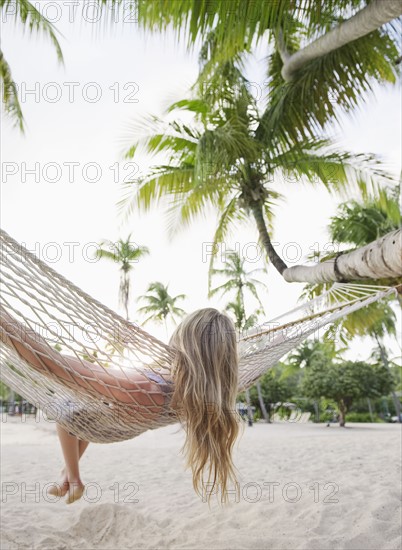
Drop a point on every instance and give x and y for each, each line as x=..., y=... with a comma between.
x=221, y=159
x=378, y=219
x=126, y=253
x=348, y=48
x=239, y=281
x=160, y=304
x=365, y=21
x=30, y=17
x=356, y=224
x=322, y=53
x=242, y=322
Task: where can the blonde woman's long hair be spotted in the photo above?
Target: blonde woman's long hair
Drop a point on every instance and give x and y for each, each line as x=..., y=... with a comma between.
x=205, y=374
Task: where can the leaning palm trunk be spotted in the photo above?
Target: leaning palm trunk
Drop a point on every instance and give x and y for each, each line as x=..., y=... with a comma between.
x=370, y=18
x=379, y=259
x=276, y=260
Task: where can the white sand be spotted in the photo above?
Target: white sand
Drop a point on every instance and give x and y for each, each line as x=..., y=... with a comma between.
x=362, y=461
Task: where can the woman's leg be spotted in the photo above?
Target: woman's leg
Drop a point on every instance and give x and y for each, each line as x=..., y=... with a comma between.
x=73, y=449
x=69, y=445
x=82, y=446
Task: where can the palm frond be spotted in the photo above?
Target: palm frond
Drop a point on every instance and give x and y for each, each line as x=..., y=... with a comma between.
x=340, y=80
x=26, y=13
x=236, y=24
x=10, y=94
x=162, y=181
x=102, y=253
x=359, y=223
x=338, y=171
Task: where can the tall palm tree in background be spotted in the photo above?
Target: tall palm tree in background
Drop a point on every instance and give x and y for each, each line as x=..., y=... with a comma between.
x=125, y=253
x=160, y=304
x=240, y=281
x=242, y=321
x=221, y=159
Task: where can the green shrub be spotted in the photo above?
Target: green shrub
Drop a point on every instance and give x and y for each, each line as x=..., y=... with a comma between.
x=362, y=417
x=326, y=416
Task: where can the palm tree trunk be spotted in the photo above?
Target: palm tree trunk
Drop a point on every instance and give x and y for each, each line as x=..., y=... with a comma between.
x=166, y=327
x=275, y=259
x=249, y=409
x=11, y=405
x=317, y=411
x=370, y=408
x=379, y=259
x=261, y=401
x=126, y=292
x=370, y=18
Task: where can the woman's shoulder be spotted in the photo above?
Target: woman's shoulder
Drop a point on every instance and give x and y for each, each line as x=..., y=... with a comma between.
x=158, y=377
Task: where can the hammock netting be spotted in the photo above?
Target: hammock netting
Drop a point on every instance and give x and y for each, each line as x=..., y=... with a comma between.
x=76, y=325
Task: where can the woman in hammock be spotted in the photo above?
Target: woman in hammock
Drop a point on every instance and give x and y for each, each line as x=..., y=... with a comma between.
x=204, y=373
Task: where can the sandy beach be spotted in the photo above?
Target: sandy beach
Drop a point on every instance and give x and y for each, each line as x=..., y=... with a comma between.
x=302, y=486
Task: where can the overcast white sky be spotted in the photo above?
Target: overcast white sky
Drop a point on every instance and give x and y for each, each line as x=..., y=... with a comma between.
x=156, y=70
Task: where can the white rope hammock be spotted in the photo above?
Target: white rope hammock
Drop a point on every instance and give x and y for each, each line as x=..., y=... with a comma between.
x=67, y=318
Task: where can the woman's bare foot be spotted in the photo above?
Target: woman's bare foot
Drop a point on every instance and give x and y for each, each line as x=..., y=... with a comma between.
x=60, y=489
x=75, y=491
